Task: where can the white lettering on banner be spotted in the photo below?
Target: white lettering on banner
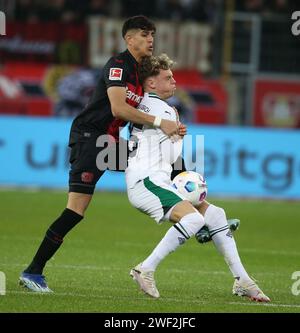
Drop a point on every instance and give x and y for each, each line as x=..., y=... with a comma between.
x=188, y=43
x=2, y=24
x=105, y=39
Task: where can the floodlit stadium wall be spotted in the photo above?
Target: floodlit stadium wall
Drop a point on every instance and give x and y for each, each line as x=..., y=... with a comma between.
x=247, y=162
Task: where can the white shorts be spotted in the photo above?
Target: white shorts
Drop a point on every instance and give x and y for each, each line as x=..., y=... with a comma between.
x=154, y=196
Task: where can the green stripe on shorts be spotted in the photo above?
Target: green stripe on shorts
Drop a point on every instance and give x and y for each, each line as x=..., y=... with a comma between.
x=167, y=198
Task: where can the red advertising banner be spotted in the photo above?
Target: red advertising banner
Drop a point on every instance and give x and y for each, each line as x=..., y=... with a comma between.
x=277, y=103
x=44, y=43
x=37, y=89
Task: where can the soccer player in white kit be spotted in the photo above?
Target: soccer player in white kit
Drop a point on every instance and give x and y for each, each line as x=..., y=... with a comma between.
x=149, y=186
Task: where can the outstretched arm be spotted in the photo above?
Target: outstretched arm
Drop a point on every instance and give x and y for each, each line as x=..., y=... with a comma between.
x=120, y=109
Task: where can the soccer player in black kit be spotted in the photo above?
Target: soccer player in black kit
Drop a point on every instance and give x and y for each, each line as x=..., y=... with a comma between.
x=112, y=105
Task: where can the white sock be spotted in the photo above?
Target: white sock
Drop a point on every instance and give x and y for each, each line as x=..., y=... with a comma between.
x=175, y=236
x=216, y=221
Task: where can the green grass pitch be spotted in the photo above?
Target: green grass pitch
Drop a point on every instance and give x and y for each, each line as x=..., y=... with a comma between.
x=90, y=273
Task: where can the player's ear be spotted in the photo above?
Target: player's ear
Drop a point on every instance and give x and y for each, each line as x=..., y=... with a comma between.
x=128, y=37
x=151, y=82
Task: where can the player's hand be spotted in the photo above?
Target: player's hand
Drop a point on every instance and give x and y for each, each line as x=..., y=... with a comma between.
x=181, y=127
x=182, y=130
x=177, y=114
x=169, y=127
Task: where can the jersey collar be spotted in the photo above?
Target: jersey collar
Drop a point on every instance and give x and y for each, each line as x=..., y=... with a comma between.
x=153, y=95
x=130, y=57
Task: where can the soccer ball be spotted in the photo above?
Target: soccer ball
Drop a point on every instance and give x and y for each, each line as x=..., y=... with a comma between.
x=192, y=186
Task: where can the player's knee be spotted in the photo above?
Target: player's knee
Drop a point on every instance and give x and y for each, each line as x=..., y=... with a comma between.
x=203, y=207
x=182, y=209
x=78, y=202
x=193, y=222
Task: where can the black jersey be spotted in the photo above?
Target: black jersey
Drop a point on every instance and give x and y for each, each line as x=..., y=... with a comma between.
x=121, y=71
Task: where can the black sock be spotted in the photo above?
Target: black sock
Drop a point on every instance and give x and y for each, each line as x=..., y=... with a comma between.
x=53, y=239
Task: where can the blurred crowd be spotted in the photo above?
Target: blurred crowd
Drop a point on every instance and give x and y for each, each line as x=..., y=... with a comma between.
x=266, y=7
x=177, y=10
x=78, y=10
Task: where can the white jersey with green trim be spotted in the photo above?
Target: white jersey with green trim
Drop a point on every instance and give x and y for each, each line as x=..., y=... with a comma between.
x=150, y=150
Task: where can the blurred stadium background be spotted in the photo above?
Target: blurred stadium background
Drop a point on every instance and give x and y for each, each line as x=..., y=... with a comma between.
x=238, y=78
x=237, y=74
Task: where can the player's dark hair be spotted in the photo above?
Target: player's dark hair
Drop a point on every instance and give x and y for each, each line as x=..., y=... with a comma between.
x=151, y=66
x=138, y=22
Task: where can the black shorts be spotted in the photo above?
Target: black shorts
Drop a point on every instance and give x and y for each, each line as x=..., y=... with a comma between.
x=89, y=162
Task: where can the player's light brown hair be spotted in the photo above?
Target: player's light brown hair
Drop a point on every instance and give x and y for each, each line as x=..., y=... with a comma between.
x=151, y=66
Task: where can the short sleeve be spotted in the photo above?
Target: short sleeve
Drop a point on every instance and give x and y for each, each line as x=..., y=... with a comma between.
x=115, y=73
